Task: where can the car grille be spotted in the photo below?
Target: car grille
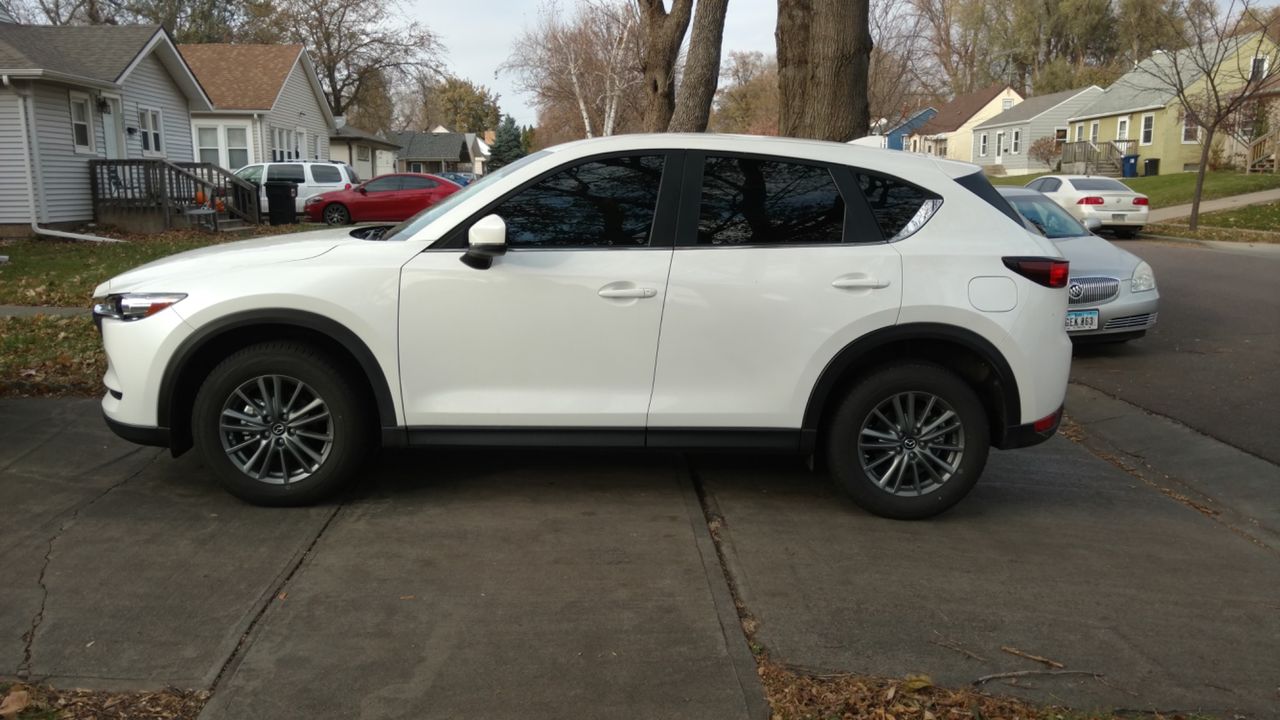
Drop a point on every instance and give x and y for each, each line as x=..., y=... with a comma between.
x=1091, y=290
x=1132, y=321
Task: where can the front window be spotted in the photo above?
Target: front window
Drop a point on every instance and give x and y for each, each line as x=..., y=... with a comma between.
x=1017, y=142
x=252, y=173
x=1122, y=129
x=1048, y=217
x=1079, y=132
x=1093, y=132
x=386, y=183
x=747, y=201
x=207, y=145
x=81, y=123
x=1148, y=129
x=151, y=129
x=1258, y=69
x=1190, y=130
x=237, y=147
x=982, y=145
x=285, y=144
x=410, y=182
x=362, y=152
x=1006, y=103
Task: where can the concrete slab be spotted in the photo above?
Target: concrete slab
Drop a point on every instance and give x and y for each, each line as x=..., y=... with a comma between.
x=1056, y=553
x=504, y=585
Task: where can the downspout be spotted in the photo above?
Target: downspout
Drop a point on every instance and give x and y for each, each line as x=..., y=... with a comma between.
x=31, y=187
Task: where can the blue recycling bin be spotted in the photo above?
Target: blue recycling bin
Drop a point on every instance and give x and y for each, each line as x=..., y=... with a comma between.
x=1129, y=166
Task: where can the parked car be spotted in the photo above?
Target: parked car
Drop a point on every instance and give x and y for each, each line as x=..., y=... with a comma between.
x=387, y=197
x=312, y=177
x=886, y=311
x=1112, y=292
x=1112, y=203
x=461, y=178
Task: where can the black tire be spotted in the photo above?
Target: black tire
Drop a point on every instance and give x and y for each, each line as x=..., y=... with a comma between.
x=847, y=459
x=342, y=416
x=336, y=214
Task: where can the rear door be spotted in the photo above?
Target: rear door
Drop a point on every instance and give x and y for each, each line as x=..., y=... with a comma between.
x=778, y=265
x=416, y=192
x=379, y=200
x=323, y=179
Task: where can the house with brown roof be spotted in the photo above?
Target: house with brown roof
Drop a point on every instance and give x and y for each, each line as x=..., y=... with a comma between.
x=268, y=105
x=949, y=133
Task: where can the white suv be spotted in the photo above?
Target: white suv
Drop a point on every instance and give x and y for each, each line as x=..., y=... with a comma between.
x=886, y=312
x=312, y=177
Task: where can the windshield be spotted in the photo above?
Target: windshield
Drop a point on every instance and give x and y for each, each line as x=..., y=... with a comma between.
x=410, y=227
x=1048, y=217
x=1105, y=184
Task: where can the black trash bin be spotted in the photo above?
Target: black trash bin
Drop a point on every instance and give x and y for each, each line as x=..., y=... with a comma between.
x=281, y=203
x=1151, y=166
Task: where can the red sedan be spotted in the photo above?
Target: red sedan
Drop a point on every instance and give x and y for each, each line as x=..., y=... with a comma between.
x=386, y=197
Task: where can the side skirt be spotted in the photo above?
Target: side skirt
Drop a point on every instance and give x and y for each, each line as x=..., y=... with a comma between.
x=768, y=439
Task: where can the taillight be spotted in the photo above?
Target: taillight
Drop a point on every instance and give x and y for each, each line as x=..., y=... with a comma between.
x=347, y=186
x=1140, y=201
x=1048, y=272
x=1090, y=200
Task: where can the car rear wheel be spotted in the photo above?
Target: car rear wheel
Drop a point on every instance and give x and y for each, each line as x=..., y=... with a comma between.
x=278, y=425
x=908, y=441
x=337, y=214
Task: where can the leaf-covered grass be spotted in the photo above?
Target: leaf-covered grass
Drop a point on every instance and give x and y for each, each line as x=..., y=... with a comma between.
x=50, y=356
x=1264, y=217
x=1250, y=224
x=37, y=702
x=52, y=272
x=1177, y=189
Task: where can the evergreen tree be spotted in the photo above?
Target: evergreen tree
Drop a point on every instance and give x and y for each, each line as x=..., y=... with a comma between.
x=507, y=146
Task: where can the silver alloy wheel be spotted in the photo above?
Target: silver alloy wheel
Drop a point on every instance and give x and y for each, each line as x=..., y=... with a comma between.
x=276, y=429
x=335, y=215
x=911, y=443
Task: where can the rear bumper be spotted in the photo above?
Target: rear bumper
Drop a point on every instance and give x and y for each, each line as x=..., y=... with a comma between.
x=1020, y=436
x=155, y=436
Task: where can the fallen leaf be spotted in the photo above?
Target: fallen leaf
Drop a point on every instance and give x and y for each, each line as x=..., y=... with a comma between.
x=917, y=682
x=15, y=702
x=282, y=596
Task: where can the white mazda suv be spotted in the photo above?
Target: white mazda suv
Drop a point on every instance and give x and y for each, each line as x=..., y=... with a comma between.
x=886, y=313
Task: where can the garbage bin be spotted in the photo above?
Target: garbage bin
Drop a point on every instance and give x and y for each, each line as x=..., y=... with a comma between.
x=1129, y=166
x=1151, y=166
x=281, y=204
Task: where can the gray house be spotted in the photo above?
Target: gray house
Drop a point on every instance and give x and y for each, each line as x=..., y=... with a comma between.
x=436, y=151
x=82, y=108
x=1001, y=143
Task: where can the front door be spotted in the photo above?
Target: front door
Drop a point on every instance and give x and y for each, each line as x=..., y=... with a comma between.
x=113, y=141
x=999, y=148
x=562, y=330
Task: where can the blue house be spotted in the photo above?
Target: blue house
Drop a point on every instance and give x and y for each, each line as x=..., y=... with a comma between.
x=897, y=136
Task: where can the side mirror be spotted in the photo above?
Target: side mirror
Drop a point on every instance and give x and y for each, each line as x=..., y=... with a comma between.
x=486, y=240
x=1092, y=224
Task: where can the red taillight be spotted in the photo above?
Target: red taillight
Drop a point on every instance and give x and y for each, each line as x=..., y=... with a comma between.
x=1047, y=423
x=1090, y=200
x=347, y=186
x=1048, y=272
x=1140, y=201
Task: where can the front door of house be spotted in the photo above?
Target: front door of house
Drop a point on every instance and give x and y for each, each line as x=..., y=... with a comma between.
x=113, y=143
x=999, y=148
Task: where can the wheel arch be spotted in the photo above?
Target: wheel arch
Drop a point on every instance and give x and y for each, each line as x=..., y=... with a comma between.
x=974, y=357
x=203, y=350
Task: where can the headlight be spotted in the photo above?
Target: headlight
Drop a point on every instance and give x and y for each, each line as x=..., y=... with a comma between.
x=134, y=306
x=1143, y=278
x=314, y=199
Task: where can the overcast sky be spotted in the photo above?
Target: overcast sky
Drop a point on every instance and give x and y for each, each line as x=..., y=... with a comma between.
x=478, y=35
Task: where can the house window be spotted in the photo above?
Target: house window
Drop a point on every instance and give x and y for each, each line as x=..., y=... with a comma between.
x=237, y=147
x=915, y=144
x=1006, y=104
x=150, y=127
x=362, y=152
x=81, y=123
x=207, y=145
x=284, y=144
x=1093, y=132
x=225, y=145
x=1147, y=135
x=982, y=145
x=312, y=146
x=1080, y=132
x=1122, y=129
x=1190, y=130
x=1017, y=142
x=415, y=167
x=1258, y=69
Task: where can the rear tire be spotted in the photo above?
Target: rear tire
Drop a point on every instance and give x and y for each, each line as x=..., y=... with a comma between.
x=279, y=425
x=908, y=441
x=337, y=214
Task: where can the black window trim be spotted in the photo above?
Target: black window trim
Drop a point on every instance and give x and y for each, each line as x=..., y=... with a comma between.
x=858, y=218
x=661, y=232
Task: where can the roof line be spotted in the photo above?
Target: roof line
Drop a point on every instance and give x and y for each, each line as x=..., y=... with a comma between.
x=57, y=75
x=988, y=124
x=1125, y=111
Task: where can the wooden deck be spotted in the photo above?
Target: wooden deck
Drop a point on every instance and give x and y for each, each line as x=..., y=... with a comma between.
x=152, y=195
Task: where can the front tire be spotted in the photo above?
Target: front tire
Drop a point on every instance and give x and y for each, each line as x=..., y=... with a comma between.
x=337, y=214
x=909, y=441
x=279, y=426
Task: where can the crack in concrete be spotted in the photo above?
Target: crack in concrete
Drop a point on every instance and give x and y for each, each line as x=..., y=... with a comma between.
x=29, y=637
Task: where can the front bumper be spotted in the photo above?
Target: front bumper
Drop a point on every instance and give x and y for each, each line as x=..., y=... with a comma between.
x=155, y=436
x=137, y=354
x=1130, y=314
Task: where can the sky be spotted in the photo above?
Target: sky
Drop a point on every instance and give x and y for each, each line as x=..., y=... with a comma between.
x=477, y=38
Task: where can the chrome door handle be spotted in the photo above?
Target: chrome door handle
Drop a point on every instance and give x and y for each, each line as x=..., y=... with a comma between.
x=859, y=283
x=623, y=293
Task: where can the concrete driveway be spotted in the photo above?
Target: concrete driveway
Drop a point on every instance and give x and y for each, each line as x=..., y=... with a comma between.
x=537, y=585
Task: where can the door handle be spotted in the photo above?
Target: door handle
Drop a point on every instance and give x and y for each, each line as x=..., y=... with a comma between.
x=859, y=283
x=624, y=293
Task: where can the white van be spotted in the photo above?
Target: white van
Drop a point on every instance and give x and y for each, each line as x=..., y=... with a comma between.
x=312, y=176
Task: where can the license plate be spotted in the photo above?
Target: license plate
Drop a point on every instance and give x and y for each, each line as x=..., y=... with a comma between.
x=1078, y=320
x=1117, y=216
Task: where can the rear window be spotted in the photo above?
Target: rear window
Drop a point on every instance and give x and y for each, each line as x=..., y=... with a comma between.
x=978, y=184
x=1104, y=184
x=286, y=171
x=746, y=201
x=900, y=208
x=326, y=174
x=408, y=182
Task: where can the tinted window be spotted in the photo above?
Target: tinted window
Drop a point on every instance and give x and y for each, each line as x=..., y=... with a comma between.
x=1047, y=216
x=383, y=184
x=1104, y=184
x=603, y=203
x=326, y=174
x=409, y=182
x=1035, y=184
x=1050, y=185
x=895, y=204
x=763, y=202
x=287, y=171
x=252, y=173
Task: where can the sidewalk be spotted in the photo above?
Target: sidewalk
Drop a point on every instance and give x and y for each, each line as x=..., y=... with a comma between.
x=1226, y=203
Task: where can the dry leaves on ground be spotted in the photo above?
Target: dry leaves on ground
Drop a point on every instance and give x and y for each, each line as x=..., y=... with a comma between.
x=43, y=702
x=50, y=356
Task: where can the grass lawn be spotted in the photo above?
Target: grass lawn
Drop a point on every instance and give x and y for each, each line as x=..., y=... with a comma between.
x=1253, y=223
x=50, y=356
x=1014, y=180
x=1177, y=189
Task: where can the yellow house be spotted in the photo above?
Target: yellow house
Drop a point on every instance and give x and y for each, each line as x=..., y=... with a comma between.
x=949, y=133
x=1140, y=114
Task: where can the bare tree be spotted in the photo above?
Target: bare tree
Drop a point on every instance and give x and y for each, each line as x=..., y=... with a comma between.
x=1229, y=55
x=822, y=84
x=747, y=101
x=701, y=68
x=663, y=32
x=894, y=91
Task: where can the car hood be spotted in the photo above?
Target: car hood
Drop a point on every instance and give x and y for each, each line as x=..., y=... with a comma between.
x=1092, y=255
x=218, y=258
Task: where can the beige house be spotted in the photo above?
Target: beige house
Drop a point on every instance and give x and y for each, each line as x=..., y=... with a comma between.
x=950, y=133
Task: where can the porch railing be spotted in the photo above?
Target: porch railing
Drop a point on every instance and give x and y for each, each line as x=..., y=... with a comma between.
x=1106, y=157
x=172, y=191
x=1261, y=155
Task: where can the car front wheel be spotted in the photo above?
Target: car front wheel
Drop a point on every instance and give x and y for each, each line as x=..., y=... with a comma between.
x=908, y=441
x=337, y=214
x=278, y=425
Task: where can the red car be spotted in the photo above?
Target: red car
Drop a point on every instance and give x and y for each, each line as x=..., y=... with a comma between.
x=386, y=197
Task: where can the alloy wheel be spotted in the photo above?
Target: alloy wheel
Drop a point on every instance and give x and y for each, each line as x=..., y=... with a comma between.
x=911, y=443
x=276, y=429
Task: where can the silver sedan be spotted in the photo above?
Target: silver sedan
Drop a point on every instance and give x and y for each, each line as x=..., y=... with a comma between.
x=1112, y=293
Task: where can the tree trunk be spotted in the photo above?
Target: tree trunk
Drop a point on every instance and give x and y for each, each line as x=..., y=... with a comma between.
x=1194, y=222
x=663, y=33
x=792, y=36
x=701, y=68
